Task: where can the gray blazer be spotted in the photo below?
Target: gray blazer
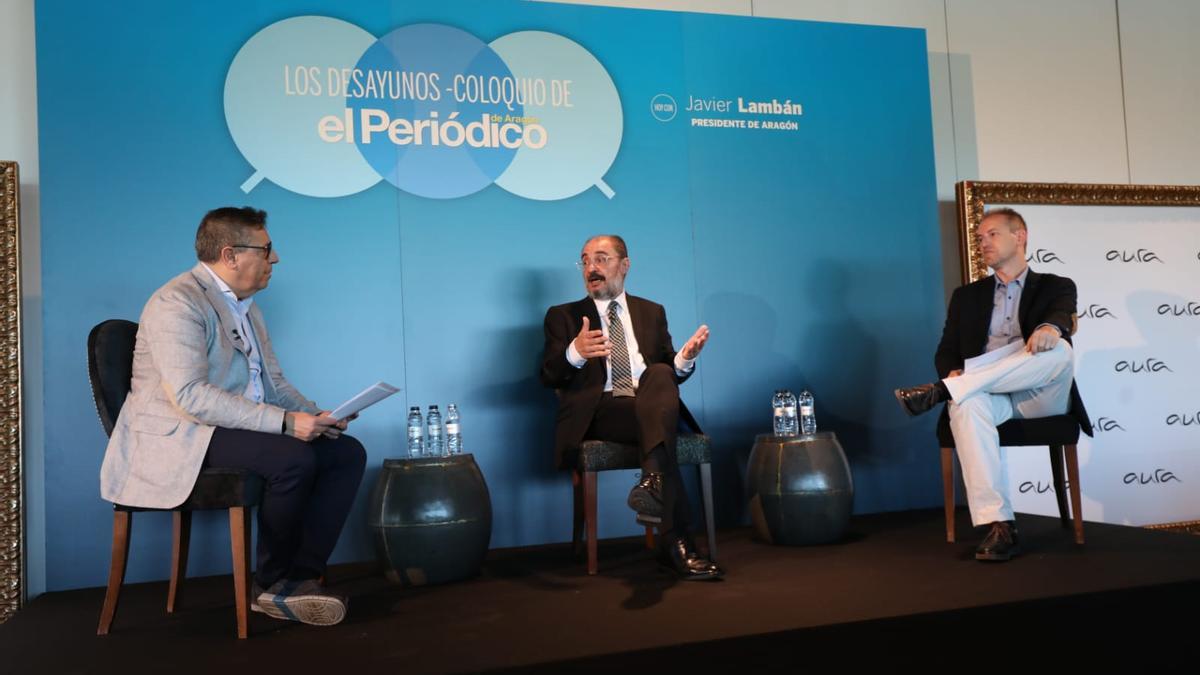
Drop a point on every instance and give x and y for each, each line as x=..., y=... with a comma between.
x=189, y=371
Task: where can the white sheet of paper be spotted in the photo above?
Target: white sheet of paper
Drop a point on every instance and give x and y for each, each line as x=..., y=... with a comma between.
x=993, y=356
x=364, y=399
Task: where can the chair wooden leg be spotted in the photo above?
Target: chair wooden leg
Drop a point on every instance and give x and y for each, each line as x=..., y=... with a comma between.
x=239, y=538
x=577, y=504
x=1060, y=487
x=181, y=538
x=1076, y=493
x=589, y=516
x=122, y=525
x=948, y=491
x=706, y=496
x=649, y=537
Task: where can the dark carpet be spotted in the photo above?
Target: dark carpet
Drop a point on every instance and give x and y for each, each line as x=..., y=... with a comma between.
x=893, y=592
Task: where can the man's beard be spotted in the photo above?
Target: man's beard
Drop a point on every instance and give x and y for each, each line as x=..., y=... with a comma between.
x=604, y=292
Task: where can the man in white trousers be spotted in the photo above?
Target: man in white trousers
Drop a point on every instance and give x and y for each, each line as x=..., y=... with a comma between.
x=1005, y=353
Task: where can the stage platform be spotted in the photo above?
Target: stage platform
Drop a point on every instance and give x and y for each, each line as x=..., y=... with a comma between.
x=894, y=592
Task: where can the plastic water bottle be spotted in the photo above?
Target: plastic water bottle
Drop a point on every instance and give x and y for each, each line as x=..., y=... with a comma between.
x=435, y=432
x=790, y=426
x=453, y=431
x=808, y=416
x=777, y=413
x=416, y=432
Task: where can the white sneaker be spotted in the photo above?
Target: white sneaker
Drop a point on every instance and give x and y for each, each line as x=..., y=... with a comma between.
x=304, y=601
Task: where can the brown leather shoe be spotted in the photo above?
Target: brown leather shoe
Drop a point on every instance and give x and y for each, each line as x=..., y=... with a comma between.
x=1000, y=544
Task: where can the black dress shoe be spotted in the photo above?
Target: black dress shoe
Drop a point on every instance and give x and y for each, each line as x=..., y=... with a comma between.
x=646, y=498
x=679, y=554
x=921, y=398
x=1000, y=544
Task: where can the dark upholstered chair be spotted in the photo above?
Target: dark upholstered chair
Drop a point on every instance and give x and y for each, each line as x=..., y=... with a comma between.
x=592, y=457
x=110, y=367
x=1060, y=433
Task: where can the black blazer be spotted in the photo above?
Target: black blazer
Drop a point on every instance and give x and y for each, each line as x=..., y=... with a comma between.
x=579, y=389
x=1046, y=298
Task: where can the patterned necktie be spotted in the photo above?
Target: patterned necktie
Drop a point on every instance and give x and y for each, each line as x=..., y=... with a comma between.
x=618, y=360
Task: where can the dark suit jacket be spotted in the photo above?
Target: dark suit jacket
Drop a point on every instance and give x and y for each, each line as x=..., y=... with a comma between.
x=1046, y=298
x=579, y=389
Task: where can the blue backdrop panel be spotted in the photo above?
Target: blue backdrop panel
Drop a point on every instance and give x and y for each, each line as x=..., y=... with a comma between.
x=811, y=253
x=816, y=251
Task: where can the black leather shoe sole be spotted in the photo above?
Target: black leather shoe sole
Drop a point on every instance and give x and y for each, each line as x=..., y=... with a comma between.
x=691, y=576
x=648, y=520
x=713, y=577
x=996, y=556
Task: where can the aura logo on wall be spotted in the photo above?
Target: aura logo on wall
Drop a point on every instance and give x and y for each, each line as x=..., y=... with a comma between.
x=1159, y=477
x=322, y=108
x=1107, y=424
x=1040, y=488
x=1148, y=366
x=1044, y=256
x=1184, y=419
x=1179, y=309
x=1097, y=312
x=1141, y=255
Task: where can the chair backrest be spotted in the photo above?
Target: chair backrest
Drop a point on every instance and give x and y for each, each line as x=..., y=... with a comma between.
x=110, y=367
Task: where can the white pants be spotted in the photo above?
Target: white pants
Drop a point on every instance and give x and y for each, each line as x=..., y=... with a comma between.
x=1022, y=385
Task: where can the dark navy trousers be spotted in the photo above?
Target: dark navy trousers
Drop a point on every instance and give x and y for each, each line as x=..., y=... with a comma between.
x=310, y=488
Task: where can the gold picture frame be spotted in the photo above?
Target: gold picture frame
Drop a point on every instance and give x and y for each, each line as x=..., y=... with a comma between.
x=974, y=197
x=12, y=541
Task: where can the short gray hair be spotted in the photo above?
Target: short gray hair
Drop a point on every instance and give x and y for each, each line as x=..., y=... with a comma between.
x=1012, y=218
x=618, y=243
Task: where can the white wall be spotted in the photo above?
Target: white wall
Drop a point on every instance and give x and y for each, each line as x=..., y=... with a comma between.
x=18, y=141
x=1070, y=91
x=1038, y=87
x=1161, y=60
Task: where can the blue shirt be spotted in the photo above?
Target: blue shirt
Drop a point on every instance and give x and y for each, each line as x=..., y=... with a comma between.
x=1006, y=304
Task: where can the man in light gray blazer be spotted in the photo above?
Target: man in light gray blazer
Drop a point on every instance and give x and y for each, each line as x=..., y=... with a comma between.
x=207, y=390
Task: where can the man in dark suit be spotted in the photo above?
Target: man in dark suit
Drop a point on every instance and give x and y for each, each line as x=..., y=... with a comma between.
x=1023, y=320
x=610, y=357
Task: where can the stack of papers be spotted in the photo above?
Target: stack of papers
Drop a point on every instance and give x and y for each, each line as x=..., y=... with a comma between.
x=364, y=399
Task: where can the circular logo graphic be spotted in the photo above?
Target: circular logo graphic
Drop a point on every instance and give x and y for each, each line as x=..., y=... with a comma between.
x=321, y=108
x=424, y=113
x=663, y=108
x=579, y=109
x=277, y=89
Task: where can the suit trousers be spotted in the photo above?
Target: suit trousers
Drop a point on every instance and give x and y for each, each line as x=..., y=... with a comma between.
x=1021, y=385
x=649, y=420
x=310, y=488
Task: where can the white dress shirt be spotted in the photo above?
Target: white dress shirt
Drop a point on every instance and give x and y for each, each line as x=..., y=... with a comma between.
x=637, y=365
x=241, y=311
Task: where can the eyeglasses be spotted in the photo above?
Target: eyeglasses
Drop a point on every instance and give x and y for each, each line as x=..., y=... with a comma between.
x=265, y=249
x=599, y=261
